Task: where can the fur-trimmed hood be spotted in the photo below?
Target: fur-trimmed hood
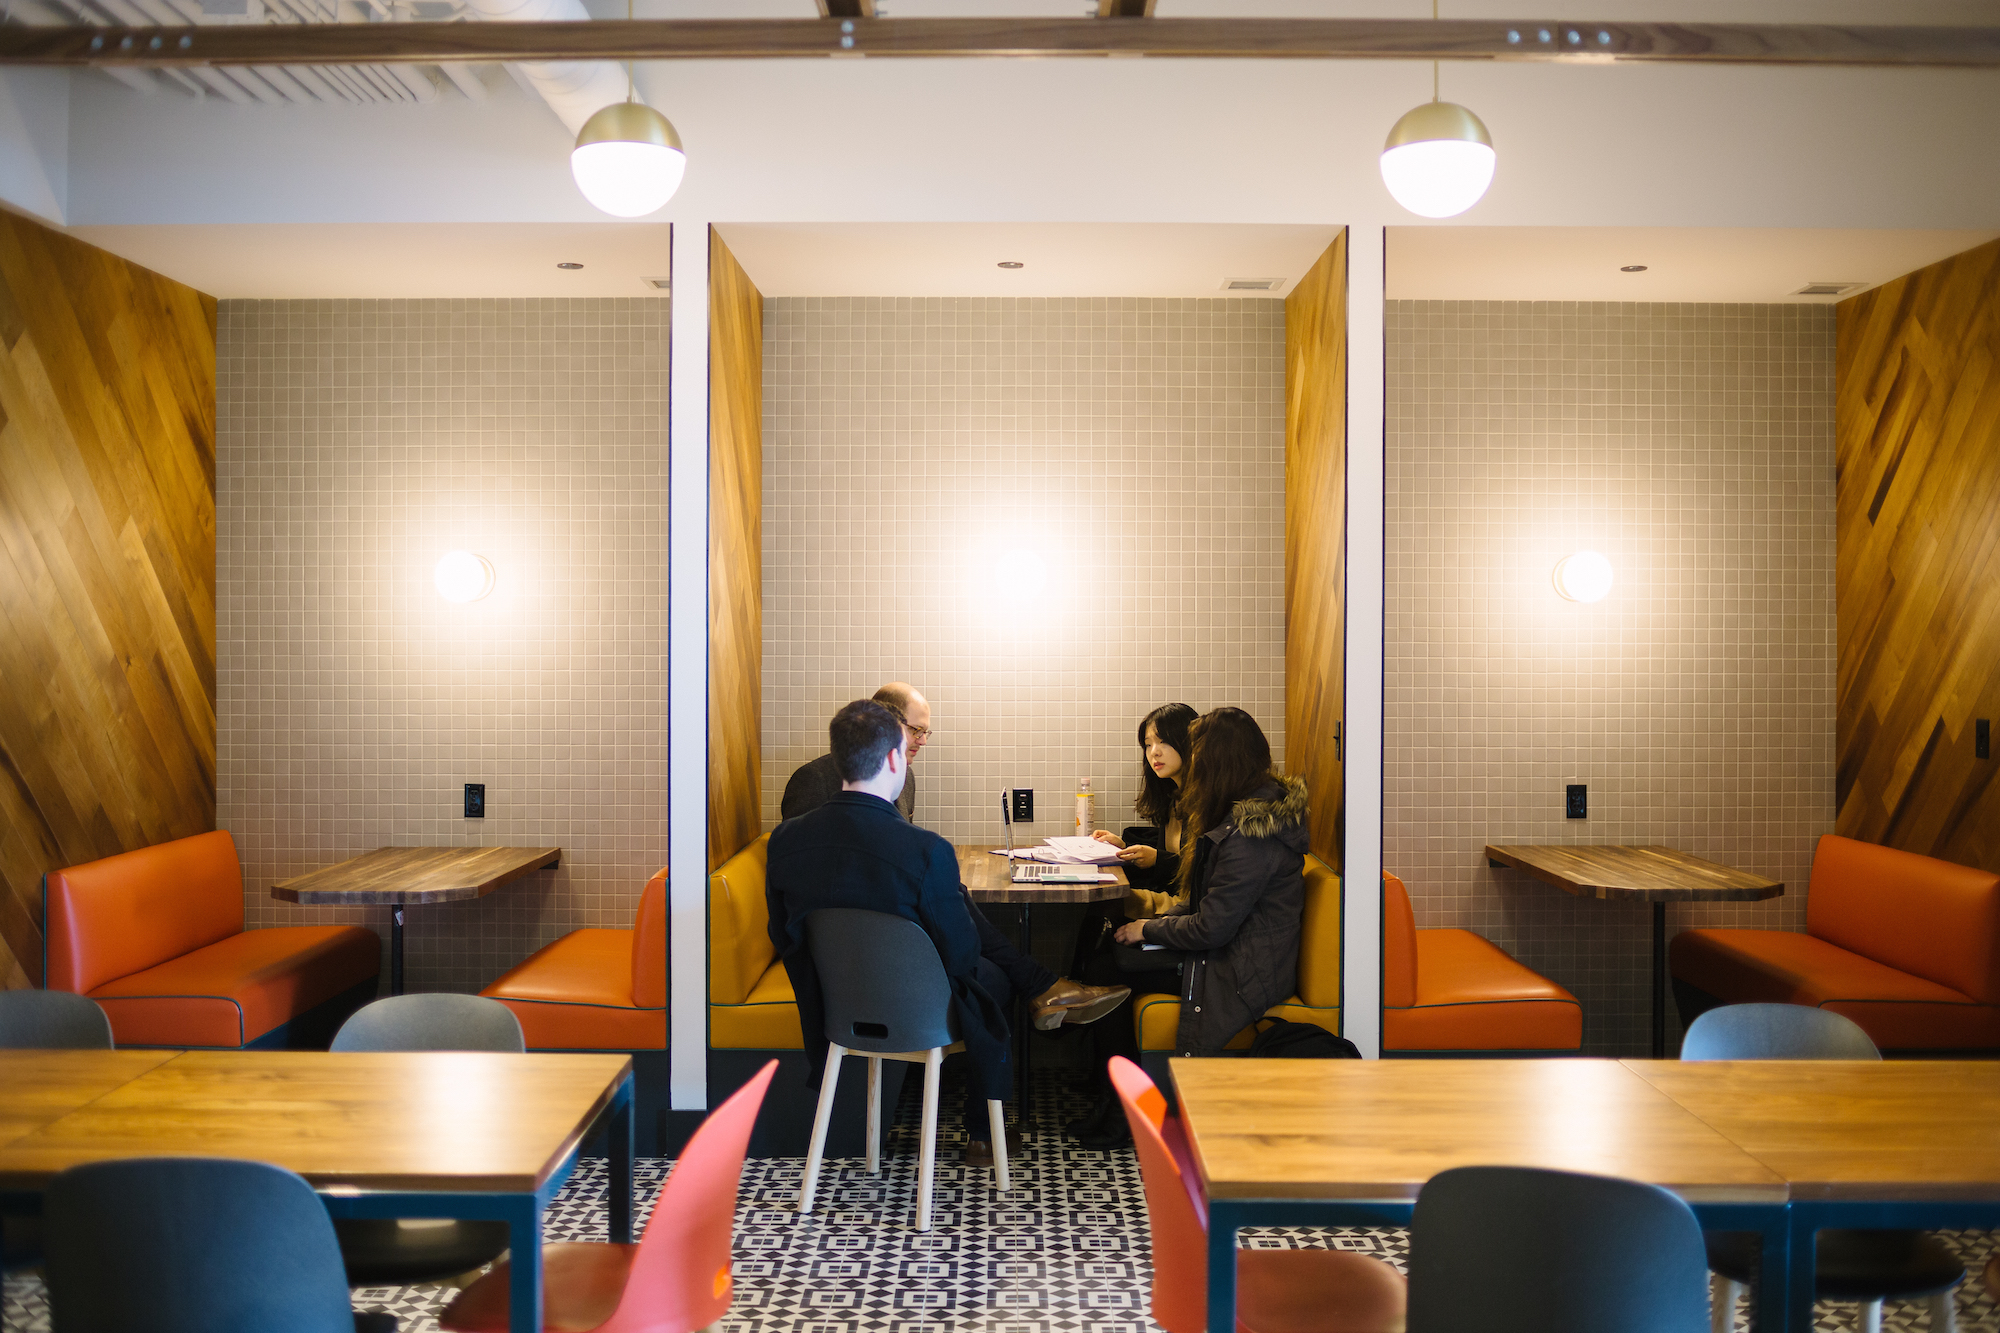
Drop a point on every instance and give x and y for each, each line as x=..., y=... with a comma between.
x=1277, y=810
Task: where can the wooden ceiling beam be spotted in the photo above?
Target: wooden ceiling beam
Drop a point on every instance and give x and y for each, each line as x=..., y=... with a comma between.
x=764, y=39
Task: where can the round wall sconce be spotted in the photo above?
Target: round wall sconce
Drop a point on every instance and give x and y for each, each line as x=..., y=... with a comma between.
x=462, y=576
x=1583, y=577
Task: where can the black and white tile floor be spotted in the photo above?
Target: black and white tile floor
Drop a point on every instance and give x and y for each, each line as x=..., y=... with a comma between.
x=1065, y=1251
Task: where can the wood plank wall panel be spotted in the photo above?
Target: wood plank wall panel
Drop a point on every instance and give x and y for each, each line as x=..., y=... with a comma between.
x=1316, y=539
x=1917, y=423
x=735, y=552
x=107, y=566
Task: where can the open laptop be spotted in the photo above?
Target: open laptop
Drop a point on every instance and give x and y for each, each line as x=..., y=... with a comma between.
x=1040, y=872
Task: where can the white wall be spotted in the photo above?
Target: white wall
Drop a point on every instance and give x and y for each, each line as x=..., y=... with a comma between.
x=34, y=142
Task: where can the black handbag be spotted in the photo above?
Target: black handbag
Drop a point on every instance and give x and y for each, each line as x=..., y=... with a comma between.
x=1131, y=958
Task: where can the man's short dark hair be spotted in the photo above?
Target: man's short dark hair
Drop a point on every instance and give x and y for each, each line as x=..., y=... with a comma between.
x=863, y=733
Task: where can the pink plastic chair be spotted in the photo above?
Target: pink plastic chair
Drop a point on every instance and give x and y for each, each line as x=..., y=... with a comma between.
x=1277, y=1291
x=676, y=1279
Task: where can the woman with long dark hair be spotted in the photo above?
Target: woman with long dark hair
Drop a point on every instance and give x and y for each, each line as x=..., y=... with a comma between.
x=1243, y=872
x=1152, y=855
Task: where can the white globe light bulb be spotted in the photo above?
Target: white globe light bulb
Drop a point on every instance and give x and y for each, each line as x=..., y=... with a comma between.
x=462, y=576
x=628, y=160
x=1438, y=160
x=1583, y=577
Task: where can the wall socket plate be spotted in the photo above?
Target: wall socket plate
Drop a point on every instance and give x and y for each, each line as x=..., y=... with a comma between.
x=475, y=800
x=1024, y=805
x=1576, y=801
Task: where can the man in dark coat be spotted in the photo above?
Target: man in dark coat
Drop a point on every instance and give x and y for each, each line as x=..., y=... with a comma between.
x=813, y=784
x=858, y=851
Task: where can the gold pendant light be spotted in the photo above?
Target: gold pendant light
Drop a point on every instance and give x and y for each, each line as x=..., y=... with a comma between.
x=628, y=159
x=1439, y=159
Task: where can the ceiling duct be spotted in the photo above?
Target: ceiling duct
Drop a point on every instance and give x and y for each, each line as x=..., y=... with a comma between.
x=574, y=89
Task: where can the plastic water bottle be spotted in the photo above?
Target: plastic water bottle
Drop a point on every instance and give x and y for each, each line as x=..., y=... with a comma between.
x=1086, y=809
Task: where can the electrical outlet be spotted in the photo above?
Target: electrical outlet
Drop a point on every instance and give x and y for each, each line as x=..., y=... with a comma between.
x=1576, y=801
x=475, y=800
x=1982, y=738
x=1024, y=805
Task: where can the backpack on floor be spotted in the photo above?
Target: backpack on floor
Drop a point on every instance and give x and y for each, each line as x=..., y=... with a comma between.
x=1279, y=1038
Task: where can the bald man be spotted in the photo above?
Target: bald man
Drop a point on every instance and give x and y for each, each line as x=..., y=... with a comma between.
x=814, y=784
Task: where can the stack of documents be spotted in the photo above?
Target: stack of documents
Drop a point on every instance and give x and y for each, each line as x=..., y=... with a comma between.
x=1067, y=851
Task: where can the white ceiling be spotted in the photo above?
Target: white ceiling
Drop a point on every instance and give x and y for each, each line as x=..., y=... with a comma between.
x=1058, y=258
x=1737, y=264
x=335, y=261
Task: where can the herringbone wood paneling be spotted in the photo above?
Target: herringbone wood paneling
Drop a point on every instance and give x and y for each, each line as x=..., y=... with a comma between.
x=735, y=552
x=1316, y=539
x=107, y=566
x=1917, y=419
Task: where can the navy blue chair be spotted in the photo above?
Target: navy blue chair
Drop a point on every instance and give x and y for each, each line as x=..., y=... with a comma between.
x=886, y=997
x=1510, y=1249
x=193, y=1245
x=398, y=1251
x=52, y=1020
x=1867, y=1267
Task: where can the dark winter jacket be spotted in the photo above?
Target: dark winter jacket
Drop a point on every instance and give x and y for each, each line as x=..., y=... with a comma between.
x=813, y=785
x=858, y=851
x=1242, y=919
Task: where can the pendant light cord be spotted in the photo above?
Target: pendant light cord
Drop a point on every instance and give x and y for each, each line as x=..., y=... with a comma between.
x=628, y=64
x=1434, y=64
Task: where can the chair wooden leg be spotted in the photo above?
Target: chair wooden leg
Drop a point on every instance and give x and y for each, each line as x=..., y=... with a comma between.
x=828, y=1085
x=1944, y=1311
x=1871, y=1317
x=996, y=1116
x=874, y=1114
x=927, y=1161
x=1722, y=1295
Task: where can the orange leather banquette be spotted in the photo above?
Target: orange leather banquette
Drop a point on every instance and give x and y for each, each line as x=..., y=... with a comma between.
x=156, y=938
x=1905, y=945
x=596, y=990
x=1452, y=990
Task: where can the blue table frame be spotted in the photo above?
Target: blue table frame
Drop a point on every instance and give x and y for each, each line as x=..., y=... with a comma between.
x=1773, y=1223
x=521, y=1212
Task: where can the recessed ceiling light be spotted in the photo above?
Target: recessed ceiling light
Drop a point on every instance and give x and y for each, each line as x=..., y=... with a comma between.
x=569, y=266
x=1005, y=263
x=1632, y=268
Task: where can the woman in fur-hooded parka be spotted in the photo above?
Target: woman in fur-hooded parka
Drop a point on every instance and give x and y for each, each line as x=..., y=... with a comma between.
x=1242, y=920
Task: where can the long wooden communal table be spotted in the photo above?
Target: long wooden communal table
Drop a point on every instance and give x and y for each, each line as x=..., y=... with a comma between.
x=1656, y=875
x=1902, y=1143
x=1351, y=1142
x=432, y=1134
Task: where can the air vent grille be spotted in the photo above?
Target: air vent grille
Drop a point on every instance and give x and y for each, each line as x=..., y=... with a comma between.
x=664, y=284
x=1249, y=284
x=1828, y=288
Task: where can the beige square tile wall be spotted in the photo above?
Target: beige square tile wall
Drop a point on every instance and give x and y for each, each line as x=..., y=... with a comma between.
x=1693, y=446
x=1050, y=515
x=357, y=442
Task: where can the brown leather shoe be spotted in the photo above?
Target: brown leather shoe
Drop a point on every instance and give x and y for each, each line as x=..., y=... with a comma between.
x=979, y=1152
x=1072, y=1002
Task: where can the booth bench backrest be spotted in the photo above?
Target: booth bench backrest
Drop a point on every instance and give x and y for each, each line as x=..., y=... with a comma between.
x=1319, y=965
x=108, y=919
x=1917, y=914
x=739, y=925
x=649, y=946
x=1399, y=946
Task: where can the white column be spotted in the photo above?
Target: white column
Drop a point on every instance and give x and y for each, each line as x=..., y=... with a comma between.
x=1361, y=935
x=687, y=670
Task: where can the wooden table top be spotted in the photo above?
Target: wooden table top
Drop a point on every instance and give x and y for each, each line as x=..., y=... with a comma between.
x=1379, y=1129
x=1852, y=1129
x=988, y=878
x=39, y=1087
x=1639, y=874
x=416, y=875
x=438, y=1120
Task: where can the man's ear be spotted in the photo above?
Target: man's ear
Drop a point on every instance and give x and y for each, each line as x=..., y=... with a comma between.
x=895, y=759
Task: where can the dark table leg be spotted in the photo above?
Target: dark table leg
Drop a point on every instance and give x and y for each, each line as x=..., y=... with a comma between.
x=395, y=949
x=1659, y=980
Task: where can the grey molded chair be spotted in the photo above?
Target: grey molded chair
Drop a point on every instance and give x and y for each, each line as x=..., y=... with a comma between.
x=397, y=1251
x=1868, y=1267
x=887, y=998
x=52, y=1020
x=193, y=1244
x=431, y=1023
x=1513, y=1249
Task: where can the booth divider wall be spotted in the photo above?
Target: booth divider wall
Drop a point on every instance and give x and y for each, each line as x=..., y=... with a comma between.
x=107, y=567
x=1917, y=439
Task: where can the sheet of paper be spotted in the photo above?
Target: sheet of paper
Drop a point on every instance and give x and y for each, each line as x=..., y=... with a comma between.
x=1082, y=851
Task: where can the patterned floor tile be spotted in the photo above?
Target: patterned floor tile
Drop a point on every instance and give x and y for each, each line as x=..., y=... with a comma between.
x=1064, y=1252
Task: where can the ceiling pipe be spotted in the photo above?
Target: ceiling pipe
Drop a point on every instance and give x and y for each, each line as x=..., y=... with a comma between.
x=575, y=90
